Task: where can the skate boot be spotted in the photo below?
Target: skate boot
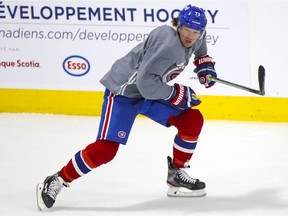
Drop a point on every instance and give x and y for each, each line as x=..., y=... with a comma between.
x=48, y=191
x=181, y=184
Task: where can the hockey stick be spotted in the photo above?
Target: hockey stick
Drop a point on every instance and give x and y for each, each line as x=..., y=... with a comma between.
x=261, y=80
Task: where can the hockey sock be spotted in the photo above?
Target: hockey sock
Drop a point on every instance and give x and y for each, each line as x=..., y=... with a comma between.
x=183, y=151
x=189, y=124
x=94, y=155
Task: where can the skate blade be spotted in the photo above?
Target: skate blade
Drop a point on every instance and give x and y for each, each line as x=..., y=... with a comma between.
x=184, y=192
x=40, y=204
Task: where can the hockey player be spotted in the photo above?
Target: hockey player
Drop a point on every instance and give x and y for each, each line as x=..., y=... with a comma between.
x=137, y=84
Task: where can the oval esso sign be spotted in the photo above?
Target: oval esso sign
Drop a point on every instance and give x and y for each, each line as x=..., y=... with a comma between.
x=76, y=65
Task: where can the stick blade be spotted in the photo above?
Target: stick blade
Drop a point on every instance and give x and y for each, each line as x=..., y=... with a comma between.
x=261, y=79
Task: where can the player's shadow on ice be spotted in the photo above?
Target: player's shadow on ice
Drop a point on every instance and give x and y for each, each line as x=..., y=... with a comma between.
x=260, y=199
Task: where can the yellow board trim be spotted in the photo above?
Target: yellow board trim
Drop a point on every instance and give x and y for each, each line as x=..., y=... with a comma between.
x=51, y=101
x=266, y=109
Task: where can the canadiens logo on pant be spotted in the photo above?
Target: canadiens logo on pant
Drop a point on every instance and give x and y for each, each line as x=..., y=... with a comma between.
x=121, y=134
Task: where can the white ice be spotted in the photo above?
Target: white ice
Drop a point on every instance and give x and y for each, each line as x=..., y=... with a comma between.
x=244, y=164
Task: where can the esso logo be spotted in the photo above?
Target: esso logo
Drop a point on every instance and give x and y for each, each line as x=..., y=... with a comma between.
x=76, y=65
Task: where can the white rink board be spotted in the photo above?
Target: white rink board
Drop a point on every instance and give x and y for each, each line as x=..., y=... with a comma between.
x=70, y=45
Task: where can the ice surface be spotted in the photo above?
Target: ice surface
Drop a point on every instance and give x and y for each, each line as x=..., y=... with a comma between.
x=244, y=164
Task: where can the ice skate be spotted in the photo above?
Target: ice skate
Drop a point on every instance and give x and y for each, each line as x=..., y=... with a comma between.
x=47, y=191
x=181, y=184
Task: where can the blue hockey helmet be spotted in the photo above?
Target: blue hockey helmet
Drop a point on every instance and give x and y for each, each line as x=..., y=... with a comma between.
x=193, y=17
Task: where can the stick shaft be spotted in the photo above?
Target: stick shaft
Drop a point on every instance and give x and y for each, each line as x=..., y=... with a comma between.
x=237, y=86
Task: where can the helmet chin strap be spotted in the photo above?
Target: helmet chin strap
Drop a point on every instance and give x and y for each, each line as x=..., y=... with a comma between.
x=178, y=25
x=202, y=34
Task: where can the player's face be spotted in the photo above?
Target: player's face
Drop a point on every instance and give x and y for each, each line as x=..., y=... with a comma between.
x=188, y=36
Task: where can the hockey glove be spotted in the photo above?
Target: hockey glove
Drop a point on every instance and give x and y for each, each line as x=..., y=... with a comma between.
x=183, y=97
x=205, y=70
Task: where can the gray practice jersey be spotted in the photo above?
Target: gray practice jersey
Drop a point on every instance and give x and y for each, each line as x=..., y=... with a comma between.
x=145, y=70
